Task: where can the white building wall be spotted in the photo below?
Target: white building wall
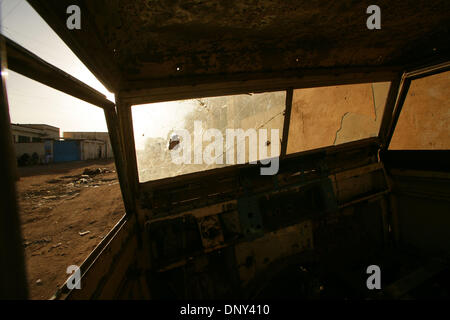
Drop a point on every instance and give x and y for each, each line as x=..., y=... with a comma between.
x=93, y=149
x=103, y=136
x=30, y=148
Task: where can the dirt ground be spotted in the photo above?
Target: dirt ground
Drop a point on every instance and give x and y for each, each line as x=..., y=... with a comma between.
x=65, y=212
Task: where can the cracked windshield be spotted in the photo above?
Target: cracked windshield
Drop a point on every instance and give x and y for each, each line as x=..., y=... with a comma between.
x=197, y=125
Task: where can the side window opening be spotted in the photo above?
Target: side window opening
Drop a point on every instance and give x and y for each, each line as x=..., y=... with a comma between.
x=327, y=116
x=68, y=190
x=424, y=121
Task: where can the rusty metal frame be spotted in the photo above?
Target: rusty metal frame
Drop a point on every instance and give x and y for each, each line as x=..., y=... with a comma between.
x=287, y=122
x=13, y=283
x=125, y=123
x=265, y=83
x=389, y=106
x=30, y=65
x=100, y=278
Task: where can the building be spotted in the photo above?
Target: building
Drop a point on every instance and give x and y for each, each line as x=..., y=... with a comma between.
x=33, y=143
x=41, y=143
x=99, y=136
x=26, y=133
x=78, y=149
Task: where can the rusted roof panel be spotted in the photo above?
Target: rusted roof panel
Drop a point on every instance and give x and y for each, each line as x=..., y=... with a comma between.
x=151, y=43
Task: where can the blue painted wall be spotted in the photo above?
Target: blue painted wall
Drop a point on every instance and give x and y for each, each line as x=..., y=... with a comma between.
x=64, y=151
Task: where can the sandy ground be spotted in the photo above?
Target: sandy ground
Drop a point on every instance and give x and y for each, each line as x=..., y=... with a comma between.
x=64, y=216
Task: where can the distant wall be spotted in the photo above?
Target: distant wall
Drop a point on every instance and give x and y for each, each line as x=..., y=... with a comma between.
x=103, y=136
x=30, y=148
x=333, y=115
x=93, y=149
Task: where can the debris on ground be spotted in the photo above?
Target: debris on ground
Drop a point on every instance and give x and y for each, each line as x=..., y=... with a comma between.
x=83, y=180
x=55, y=209
x=94, y=172
x=62, y=189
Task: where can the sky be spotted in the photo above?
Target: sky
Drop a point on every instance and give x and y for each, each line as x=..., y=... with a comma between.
x=32, y=102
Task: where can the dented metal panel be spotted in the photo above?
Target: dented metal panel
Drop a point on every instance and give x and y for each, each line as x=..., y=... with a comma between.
x=253, y=257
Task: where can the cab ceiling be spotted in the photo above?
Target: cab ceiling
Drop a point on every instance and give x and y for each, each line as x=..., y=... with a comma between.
x=155, y=43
